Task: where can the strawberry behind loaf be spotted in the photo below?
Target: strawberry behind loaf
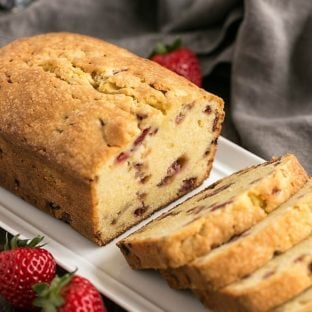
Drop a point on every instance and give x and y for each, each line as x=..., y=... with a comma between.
x=99, y=137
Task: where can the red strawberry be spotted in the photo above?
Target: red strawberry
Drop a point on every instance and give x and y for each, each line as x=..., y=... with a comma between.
x=179, y=59
x=69, y=293
x=22, y=264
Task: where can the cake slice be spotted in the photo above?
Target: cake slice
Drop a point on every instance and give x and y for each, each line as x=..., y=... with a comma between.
x=97, y=136
x=225, y=209
x=301, y=303
x=282, y=278
x=245, y=253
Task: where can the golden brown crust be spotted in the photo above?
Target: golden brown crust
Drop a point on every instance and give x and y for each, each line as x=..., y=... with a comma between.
x=47, y=188
x=197, y=237
x=96, y=83
x=69, y=105
x=272, y=285
x=300, y=303
x=259, y=300
x=284, y=228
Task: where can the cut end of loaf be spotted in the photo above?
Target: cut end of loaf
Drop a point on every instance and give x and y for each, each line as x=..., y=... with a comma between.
x=165, y=161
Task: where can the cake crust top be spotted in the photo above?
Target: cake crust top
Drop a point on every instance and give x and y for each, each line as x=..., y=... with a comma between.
x=77, y=100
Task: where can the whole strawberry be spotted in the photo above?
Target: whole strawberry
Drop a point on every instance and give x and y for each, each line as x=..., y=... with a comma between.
x=179, y=59
x=69, y=293
x=24, y=263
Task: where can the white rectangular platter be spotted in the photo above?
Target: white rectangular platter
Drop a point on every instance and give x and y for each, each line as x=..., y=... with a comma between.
x=136, y=291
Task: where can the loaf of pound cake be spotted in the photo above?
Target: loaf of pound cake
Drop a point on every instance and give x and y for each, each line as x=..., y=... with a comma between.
x=219, y=213
x=281, y=279
x=98, y=137
x=245, y=253
x=300, y=303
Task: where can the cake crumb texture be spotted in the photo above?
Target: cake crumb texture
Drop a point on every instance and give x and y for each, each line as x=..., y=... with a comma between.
x=98, y=137
x=245, y=253
x=222, y=211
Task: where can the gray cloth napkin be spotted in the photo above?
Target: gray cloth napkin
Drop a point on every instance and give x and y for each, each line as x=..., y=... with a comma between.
x=268, y=44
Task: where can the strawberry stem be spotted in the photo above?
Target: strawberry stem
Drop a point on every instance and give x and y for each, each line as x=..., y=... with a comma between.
x=15, y=242
x=49, y=297
x=175, y=45
x=162, y=48
x=7, y=244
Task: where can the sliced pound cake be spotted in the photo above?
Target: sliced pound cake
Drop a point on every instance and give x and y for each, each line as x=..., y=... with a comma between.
x=97, y=136
x=281, y=279
x=301, y=303
x=245, y=253
x=225, y=209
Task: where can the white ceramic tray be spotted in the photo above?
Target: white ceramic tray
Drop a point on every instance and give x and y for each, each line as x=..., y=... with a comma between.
x=136, y=291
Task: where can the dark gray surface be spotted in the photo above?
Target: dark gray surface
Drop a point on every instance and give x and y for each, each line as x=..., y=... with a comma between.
x=269, y=109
